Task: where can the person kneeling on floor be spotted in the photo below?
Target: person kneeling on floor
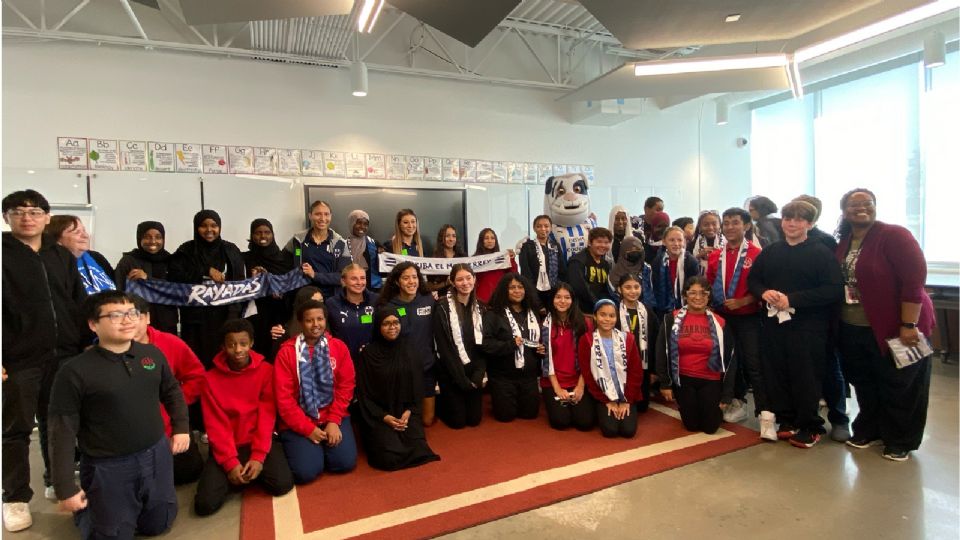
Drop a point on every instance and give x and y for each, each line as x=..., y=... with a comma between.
x=314, y=381
x=694, y=360
x=611, y=368
x=105, y=399
x=239, y=412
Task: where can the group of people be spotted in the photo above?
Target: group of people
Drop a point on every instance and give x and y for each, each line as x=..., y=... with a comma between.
x=646, y=311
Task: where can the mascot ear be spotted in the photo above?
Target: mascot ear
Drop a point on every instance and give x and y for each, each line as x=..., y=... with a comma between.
x=549, y=186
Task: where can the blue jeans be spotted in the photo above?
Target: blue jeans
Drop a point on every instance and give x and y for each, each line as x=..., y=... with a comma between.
x=835, y=389
x=308, y=459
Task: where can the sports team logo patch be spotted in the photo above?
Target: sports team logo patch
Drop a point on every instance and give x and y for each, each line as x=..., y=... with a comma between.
x=148, y=363
x=747, y=262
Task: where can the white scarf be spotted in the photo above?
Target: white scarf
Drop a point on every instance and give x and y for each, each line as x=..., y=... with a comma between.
x=678, y=282
x=457, y=332
x=718, y=243
x=543, y=280
x=600, y=365
x=741, y=253
x=548, y=361
x=641, y=323
x=781, y=315
x=533, y=329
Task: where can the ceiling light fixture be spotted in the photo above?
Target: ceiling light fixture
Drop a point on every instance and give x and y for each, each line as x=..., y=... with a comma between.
x=876, y=29
x=732, y=18
x=752, y=61
x=934, y=50
x=723, y=112
x=368, y=15
x=358, y=78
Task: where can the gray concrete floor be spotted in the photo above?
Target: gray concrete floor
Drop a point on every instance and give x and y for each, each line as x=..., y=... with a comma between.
x=766, y=491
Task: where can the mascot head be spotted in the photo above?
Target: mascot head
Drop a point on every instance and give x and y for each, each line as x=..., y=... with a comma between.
x=565, y=199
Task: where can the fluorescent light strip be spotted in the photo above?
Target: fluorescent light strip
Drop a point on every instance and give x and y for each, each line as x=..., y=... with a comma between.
x=709, y=64
x=876, y=29
x=368, y=15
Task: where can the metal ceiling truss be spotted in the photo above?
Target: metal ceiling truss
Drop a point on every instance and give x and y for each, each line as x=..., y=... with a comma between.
x=326, y=41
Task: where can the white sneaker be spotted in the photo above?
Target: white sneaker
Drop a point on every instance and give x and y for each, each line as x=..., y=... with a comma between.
x=50, y=493
x=735, y=412
x=768, y=426
x=16, y=516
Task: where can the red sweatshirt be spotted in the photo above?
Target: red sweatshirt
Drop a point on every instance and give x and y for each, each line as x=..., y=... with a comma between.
x=185, y=365
x=713, y=268
x=632, y=390
x=239, y=409
x=286, y=385
x=487, y=281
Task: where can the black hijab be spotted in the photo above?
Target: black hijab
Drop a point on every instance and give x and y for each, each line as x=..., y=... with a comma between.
x=270, y=257
x=388, y=373
x=159, y=260
x=202, y=255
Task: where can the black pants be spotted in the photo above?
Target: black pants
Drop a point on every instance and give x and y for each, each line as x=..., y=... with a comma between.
x=745, y=330
x=187, y=466
x=893, y=402
x=792, y=364
x=213, y=487
x=26, y=395
x=128, y=494
x=611, y=427
x=514, y=398
x=699, y=403
x=563, y=414
x=458, y=408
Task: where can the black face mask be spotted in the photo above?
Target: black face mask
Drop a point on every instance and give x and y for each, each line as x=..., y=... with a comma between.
x=633, y=256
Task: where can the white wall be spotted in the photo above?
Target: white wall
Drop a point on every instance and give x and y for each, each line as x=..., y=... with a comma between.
x=57, y=89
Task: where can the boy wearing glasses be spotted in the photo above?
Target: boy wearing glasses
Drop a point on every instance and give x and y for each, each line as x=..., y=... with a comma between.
x=42, y=292
x=105, y=400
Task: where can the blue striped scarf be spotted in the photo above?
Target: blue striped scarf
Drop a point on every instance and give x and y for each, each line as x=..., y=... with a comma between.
x=316, y=376
x=715, y=362
x=717, y=290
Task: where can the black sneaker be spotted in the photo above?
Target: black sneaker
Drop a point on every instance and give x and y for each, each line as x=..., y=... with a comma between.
x=786, y=431
x=895, y=454
x=863, y=442
x=805, y=439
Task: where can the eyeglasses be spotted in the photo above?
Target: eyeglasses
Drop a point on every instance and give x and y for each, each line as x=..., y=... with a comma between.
x=118, y=316
x=20, y=213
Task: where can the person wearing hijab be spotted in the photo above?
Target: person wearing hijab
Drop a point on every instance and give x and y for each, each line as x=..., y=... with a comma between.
x=364, y=248
x=149, y=260
x=389, y=394
x=207, y=257
x=95, y=271
x=620, y=226
x=265, y=257
x=658, y=225
x=631, y=261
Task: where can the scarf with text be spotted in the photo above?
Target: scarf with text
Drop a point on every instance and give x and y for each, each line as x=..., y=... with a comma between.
x=216, y=294
x=641, y=322
x=610, y=373
x=533, y=331
x=716, y=360
x=456, y=331
x=718, y=290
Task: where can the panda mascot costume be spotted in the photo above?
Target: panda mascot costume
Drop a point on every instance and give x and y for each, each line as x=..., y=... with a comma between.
x=566, y=201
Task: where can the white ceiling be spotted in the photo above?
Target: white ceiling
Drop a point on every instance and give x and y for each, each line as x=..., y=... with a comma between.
x=583, y=49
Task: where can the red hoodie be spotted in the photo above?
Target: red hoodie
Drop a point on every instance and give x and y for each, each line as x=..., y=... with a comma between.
x=185, y=365
x=286, y=385
x=238, y=409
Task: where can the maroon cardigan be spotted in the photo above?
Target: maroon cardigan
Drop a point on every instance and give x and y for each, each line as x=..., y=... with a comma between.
x=891, y=269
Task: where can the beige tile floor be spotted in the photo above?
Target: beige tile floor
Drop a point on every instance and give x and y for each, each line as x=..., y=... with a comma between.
x=767, y=491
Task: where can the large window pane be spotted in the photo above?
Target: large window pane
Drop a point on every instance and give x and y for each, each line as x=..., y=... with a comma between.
x=939, y=119
x=781, y=160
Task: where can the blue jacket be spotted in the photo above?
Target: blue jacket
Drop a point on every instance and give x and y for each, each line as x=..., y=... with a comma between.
x=351, y=323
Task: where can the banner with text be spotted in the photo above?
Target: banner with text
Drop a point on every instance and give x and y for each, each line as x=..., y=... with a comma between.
x=216, y=294
x=436, y=266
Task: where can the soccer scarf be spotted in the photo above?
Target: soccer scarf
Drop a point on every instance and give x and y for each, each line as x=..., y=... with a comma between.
x=543, y=279
x=671, y=292
x=93, y=277
x=533, y=329
x=715, y=362
x=316, y=376
x=719, y=292
x=456, y=331
x=702, y=243
x=610, y=373
x=641, y=323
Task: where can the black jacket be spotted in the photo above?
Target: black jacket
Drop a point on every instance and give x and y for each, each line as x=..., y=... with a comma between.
x=466, y=377
x=530, y=266
x=663, y=369
x=499, y=344
x=588, y=278
x=42, y=293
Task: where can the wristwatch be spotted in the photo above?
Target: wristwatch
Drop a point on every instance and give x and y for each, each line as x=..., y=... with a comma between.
x=910, y=325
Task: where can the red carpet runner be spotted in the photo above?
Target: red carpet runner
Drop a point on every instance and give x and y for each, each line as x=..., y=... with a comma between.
x=486, y=473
